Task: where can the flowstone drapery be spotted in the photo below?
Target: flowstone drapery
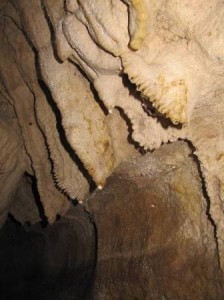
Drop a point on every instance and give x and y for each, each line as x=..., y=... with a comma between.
x=71, y=71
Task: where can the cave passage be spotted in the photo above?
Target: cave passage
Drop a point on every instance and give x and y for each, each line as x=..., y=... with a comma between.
x=48, y=262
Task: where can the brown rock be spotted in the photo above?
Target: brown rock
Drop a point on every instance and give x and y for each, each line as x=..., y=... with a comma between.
x=155, y=238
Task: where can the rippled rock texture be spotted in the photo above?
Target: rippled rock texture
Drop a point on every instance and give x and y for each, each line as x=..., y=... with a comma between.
x=87, y=88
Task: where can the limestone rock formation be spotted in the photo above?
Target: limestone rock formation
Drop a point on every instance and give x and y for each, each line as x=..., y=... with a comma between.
x=155, y=240
x=86, y=85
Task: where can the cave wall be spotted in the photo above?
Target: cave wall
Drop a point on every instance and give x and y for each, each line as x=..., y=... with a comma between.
x=86, y=86
x=155, y=239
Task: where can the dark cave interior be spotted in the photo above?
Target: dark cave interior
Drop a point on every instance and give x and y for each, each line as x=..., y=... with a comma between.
x=48, y=261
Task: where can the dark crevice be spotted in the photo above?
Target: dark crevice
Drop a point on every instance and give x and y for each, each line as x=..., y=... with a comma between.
x=130, y=131
x=147, y=104
x=98, y=100
x=91, y=86
x=133, y=92
x=13, y=220
x=37, y=200
x=50, y=26
x=204, y=192
x=62, y=135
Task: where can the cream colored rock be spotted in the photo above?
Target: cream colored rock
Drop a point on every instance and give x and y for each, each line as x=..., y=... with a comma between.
x=148, y=131
x=172, y=54
x=63, y=167
x=81, y=116
x=23, y=100
x=177, y=66
x=103, y=69
x=108, y=30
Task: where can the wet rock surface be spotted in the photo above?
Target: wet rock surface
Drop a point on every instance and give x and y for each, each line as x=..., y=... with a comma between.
x=155, y=237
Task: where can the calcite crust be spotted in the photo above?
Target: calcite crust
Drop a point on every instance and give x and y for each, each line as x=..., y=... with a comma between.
x=73, y=70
